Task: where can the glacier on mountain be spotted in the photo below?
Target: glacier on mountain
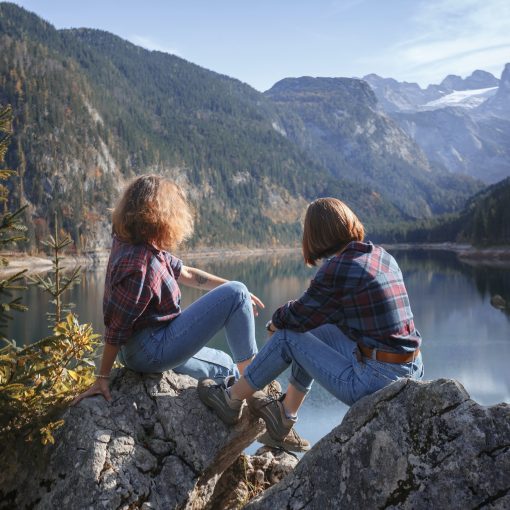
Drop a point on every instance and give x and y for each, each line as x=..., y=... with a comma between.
x=461, y=98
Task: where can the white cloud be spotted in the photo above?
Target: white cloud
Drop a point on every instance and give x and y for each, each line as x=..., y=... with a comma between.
x=455, y=37
x=150, y=44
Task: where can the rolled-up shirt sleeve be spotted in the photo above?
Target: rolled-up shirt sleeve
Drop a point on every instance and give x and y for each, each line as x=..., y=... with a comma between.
x=176, y=265
x=128, y=299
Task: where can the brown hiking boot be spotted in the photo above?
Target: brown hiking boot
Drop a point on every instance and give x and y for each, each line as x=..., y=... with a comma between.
x=292, y=442
x=215, y=396
x=271, y=410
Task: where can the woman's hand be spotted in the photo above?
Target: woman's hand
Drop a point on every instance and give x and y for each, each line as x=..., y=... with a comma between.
x=100, y=387
x=256, y=302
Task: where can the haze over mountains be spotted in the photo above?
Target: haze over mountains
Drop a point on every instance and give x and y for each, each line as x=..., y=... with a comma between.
x=92, y=110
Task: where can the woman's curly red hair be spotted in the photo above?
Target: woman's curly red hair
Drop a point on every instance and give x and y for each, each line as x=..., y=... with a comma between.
x=153, y=210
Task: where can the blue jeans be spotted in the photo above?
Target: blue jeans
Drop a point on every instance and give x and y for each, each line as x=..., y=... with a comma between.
x=327, y=355
x=179, y=344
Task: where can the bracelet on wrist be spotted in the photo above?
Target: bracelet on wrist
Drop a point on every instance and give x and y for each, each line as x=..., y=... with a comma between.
x=101, y=376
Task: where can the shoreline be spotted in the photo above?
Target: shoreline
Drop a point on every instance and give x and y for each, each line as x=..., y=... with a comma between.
x=496, y=256
x=41, y=264
x=467, y=253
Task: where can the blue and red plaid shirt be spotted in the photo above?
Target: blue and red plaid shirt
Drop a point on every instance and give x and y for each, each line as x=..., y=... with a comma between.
x=361, y=291
x=140, y=289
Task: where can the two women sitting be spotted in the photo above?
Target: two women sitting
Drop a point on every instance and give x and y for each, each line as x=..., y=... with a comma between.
x=352, y=330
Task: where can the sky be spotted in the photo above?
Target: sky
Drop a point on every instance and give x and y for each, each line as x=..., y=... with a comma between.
x=262, y=41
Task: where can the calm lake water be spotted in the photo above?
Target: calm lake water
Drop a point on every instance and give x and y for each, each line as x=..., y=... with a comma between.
x=464, y=337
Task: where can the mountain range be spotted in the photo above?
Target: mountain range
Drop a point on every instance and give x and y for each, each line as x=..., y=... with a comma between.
x=93, y=110
x=461, y=124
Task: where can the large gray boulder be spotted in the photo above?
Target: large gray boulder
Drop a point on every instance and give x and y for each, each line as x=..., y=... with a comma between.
x=154, y=446
x=411, y=445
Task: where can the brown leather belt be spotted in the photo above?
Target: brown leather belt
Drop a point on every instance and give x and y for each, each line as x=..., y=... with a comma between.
x=388, y=357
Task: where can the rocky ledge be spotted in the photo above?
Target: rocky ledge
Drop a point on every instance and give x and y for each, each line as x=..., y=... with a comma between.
x=411, y=445
x=154, y=446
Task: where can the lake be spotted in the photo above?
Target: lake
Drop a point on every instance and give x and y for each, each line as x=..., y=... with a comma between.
x=464, y=337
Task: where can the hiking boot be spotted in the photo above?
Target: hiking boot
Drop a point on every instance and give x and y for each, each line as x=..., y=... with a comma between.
x=292, y=442
x=216, y=397
x=272, y=412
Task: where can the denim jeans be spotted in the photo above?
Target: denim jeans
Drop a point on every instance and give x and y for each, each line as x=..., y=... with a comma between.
x=327, y=355
x=179, y=344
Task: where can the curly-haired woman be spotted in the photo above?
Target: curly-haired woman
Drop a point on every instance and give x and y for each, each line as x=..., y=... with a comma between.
x=145, y=325
x=352, y=330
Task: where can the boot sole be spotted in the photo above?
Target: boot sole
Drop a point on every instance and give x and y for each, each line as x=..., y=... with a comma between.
x=269, y=441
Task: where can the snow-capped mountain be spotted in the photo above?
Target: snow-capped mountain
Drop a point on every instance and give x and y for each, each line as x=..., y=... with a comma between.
x=463, y=124
x=461, y=98
x=395, y=96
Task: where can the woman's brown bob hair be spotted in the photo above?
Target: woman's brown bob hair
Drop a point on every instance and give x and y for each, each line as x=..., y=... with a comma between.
x=329, y=226
x=153, y=210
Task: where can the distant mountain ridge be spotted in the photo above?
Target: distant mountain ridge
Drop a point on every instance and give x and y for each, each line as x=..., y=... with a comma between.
x=395, y=96
x=461, y=124
x=92, y=110
x=337, y=121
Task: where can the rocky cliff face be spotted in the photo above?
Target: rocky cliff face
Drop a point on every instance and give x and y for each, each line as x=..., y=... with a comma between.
x=409, y=446
x=499, y=105
x=477, y=80
x=461, y=142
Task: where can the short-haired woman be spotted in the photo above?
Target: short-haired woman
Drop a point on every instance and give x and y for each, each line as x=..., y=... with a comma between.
x=144, y=322
x=352, y=330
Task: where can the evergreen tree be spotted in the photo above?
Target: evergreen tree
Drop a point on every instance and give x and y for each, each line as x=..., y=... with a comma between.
x=11, y=228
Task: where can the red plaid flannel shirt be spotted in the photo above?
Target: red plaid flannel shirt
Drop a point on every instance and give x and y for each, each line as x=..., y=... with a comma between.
x=140, y=290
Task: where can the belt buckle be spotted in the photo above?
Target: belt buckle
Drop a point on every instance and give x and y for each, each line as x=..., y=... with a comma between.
x=373, y=354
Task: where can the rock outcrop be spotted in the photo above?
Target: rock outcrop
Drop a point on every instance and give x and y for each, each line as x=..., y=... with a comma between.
x=154, y=446
x=411, y=445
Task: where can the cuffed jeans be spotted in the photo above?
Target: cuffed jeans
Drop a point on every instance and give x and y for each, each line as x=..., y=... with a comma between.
x=330, y=357
x=179, y=344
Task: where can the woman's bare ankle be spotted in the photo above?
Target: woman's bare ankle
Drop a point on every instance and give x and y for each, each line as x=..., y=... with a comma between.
x=241, y=390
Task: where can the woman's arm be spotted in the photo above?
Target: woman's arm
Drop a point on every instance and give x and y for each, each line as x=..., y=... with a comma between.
x=198, y=279
x=101, y=385
x=129, y=297
x=322, y=301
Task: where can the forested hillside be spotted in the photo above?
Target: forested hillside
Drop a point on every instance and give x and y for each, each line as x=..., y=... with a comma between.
x=336, y=120
x=92, y=110
x=485, y=221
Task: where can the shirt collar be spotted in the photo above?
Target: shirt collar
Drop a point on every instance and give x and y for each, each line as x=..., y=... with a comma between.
x=365, y=247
